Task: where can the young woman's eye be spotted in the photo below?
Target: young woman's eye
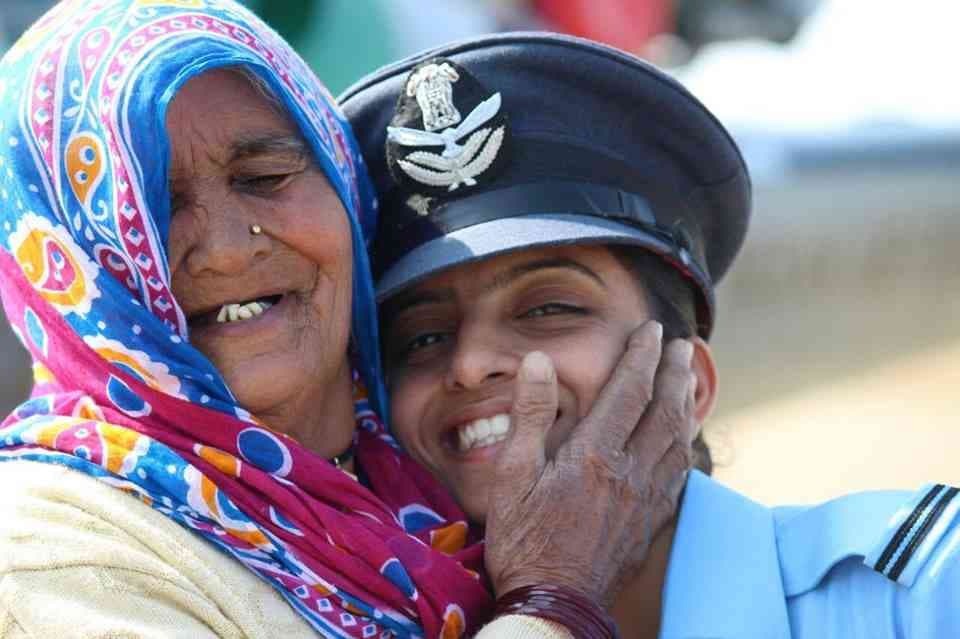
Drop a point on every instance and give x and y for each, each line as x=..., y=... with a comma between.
x=423, y=341
x=552, y=309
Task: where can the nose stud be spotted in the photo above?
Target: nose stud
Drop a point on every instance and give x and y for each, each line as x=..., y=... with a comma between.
x=256, y=229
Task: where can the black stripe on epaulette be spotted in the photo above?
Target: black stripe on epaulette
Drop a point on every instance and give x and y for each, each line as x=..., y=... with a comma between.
x=904, y=529
x=921, y=533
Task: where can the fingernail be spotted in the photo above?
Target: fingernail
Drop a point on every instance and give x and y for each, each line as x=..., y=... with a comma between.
x=658, y=330
x=536, y=367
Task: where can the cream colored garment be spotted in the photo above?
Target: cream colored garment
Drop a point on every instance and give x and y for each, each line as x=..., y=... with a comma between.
x=79, y=558
x=523, y=627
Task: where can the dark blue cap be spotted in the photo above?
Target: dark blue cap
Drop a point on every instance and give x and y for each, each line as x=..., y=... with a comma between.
x=519, y=140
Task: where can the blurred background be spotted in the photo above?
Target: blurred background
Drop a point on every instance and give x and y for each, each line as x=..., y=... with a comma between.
x=838, y=338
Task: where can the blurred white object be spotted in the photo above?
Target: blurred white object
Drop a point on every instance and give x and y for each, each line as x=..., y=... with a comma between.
x=419, y=25
x=854, y=63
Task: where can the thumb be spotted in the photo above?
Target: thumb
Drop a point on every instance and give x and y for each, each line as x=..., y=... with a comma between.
x=534, y=410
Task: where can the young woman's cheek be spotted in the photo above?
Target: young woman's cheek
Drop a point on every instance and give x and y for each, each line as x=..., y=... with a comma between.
x=584, y=364
x=407, y=404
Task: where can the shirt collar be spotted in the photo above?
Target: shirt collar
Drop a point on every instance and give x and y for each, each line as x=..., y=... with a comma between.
x=723, y=580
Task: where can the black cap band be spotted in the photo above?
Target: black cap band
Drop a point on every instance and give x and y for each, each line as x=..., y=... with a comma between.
x=561, y=197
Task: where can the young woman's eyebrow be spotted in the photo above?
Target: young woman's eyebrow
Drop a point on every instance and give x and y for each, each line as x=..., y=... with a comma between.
x=510, y=275
x=405, y=301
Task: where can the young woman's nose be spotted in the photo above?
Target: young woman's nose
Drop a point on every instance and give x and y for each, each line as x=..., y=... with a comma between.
x=230, y=240
x=480, y=358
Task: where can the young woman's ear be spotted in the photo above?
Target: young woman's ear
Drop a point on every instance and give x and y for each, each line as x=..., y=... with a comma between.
x=705, y=369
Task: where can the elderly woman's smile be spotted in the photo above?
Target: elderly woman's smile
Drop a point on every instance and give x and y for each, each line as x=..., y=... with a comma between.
x=259, y=300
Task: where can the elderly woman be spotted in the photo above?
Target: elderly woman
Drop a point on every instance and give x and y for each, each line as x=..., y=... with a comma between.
x=542, y=199
x=183, y=240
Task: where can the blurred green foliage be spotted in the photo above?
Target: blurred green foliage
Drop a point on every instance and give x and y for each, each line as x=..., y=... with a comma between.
x=342, y=40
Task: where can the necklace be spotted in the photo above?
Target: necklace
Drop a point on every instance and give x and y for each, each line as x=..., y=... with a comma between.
x=342, y=458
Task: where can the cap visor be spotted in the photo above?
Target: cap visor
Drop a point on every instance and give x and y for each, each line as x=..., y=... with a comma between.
x=505, y=235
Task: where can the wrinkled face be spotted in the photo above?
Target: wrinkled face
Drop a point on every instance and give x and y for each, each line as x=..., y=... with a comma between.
x=455, y=342
x=272, y=311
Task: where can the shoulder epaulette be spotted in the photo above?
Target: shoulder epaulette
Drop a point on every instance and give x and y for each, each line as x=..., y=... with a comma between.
x=914, y=533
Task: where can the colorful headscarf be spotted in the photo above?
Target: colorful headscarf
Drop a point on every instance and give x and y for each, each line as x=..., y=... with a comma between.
x=120, y=394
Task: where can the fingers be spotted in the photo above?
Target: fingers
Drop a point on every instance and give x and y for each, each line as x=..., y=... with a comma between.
x=670, y=416
x=616, y=411
x=535, y=402
x=670, y=476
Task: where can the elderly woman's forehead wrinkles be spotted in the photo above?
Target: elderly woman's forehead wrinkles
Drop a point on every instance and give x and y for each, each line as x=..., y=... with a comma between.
x=192, y=165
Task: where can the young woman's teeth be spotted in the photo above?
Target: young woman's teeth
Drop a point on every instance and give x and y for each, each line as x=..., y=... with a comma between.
x=238, y=312
x=483, y=432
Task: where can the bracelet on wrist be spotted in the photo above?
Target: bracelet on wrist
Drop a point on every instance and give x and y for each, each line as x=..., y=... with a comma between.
x=584, y=618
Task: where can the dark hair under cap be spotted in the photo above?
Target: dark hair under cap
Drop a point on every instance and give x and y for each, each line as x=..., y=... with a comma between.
x=532, y=139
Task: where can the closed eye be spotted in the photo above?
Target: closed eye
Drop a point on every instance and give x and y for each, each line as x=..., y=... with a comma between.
x=263, y=184
x=552, y=309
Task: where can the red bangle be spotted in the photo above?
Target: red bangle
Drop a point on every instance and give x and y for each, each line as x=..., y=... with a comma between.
x=584, y=618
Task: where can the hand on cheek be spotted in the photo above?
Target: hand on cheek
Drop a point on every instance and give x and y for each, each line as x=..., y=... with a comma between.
x=587, y=517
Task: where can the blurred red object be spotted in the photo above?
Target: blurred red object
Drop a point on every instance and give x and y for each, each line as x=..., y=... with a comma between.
x=626, y=24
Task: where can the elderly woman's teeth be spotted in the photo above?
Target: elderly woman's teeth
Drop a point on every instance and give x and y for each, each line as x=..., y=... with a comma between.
x=240, y=312
x=483, y=432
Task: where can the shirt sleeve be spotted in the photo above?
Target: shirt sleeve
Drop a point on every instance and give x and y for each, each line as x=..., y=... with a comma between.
x=9, y=628
x=72, y=569
x=58, y=602
x=81, y=558
x=523, y=627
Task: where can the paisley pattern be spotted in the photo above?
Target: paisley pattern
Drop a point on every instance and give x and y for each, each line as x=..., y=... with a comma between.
x=54, y=264
x=84, y=166
x=119, y=392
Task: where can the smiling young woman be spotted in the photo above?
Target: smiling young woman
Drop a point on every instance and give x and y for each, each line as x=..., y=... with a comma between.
x=454, y=344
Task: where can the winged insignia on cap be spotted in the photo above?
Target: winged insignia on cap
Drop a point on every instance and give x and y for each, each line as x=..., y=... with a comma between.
x=460, y=169
x=458, y=163
x=465, y=148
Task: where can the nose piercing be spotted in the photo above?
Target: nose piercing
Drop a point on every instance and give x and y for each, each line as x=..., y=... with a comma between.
x=255, y=229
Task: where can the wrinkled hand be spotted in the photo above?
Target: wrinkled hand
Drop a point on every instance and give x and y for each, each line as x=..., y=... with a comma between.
x=587, y=518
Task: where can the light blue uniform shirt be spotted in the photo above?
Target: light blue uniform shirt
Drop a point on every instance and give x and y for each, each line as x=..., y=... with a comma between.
x=872, y=565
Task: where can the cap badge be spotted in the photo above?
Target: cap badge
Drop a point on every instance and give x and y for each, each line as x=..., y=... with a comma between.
x=432, y=85
x=427, y=119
